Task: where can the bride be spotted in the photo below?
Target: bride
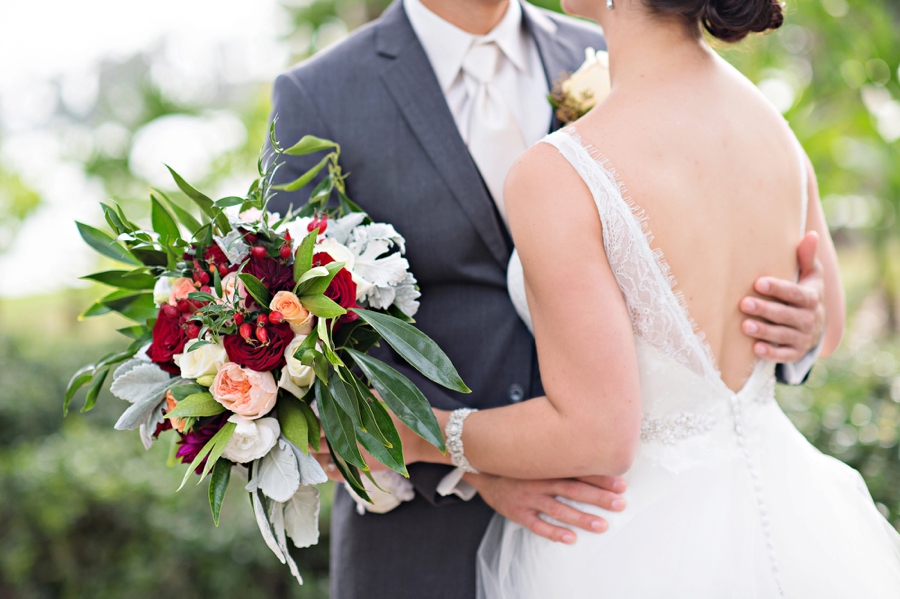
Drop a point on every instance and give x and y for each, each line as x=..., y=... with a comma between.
x=725, y=497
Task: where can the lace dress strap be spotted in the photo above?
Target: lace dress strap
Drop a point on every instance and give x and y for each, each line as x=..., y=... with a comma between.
x=659, y=315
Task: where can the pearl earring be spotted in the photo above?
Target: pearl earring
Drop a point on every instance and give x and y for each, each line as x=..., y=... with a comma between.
x=610, y=4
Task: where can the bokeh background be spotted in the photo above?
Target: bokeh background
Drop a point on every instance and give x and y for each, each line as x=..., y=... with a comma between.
x=96, y=95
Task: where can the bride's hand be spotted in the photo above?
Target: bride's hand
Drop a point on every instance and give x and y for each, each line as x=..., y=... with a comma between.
x=795, y=315
x=523, y=502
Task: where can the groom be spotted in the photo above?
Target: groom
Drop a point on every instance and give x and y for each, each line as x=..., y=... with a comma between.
x=431, y=103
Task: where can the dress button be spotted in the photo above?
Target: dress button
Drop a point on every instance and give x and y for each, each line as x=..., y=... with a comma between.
x=516, y=392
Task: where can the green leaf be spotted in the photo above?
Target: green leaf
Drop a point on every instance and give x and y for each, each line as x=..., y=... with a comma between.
x=163, y=222
x=304, y=179
x=187, y=219
x=218, y=484
x=339, y=428
x=229, y=201
x=318, y=285
x=310, y=144
x=345, y=396
x=105, y=244
x=364, y=400
x=304, y=255
x=198, y=405
x=179, y=392
x=213, y=448
x=322, y=191
x=136, y=332
x=350, y=474
x=321, y=306
x=309, y=275
x=320, y=367
x=217, y=282
x=417, y=348
x=116, y=223
x=308, y=344
x=81, y=378
x=293, y=422
x=205, y=204
x=402, y=396
x=150, y=257
x=94, y=390
x=312, y=423
x=124, y=279
x=256, y=288
x=388, y=451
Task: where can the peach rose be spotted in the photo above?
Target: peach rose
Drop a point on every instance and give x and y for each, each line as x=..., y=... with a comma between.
x=181, y=287
x=293, y=311
x=243, y=391
x=171, y=404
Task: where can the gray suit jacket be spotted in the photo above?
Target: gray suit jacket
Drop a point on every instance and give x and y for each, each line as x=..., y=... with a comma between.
x=376, y=94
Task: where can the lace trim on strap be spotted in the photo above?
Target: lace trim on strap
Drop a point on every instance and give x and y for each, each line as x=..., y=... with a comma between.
x=659, y=314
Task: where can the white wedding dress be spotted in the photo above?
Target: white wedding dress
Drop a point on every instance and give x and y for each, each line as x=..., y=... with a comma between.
x=726, y=498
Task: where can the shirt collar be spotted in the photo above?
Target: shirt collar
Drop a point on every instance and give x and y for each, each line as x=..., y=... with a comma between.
x=446, y=44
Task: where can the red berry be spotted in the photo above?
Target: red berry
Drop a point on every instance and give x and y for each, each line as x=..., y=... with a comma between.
x=287, y=236
x=192, y=330
x=276, y=317
x=204, y=277
x=258, y=251
x=238, y=319
x=246, y=332
x=262, y=320
x=170, y=311
x=318, y=223
x=223, y=270
x=285, y=251
x=251, y=238
x=206, y=289
x=185, y=306
x=262, y=334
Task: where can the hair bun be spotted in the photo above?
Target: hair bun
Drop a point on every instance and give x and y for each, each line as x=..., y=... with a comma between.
x=733, y=20
x=728, y=20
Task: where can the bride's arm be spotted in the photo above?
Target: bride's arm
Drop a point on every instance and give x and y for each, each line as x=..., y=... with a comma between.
x=589, y=421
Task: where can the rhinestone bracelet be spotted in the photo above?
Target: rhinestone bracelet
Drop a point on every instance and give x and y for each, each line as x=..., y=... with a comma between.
x=453, y=431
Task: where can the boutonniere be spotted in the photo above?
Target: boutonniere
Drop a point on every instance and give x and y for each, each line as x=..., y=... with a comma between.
x=573, y=96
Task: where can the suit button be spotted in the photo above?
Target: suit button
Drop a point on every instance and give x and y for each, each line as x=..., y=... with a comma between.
x=516, y=392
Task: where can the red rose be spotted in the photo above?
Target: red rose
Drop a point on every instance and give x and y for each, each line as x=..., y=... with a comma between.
x=342, y=289
x=274, y=274
x=258, y=356
x=169, y=337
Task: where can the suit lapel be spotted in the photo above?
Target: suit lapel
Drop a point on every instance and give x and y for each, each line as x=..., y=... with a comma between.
x=559, y=56
x=411, y=81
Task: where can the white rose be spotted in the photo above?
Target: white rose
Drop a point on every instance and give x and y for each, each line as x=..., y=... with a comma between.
x=203, y=361
x=590, y=84
x=252, y=439
x=295, y=377
x=162, y=290
x=338, y=251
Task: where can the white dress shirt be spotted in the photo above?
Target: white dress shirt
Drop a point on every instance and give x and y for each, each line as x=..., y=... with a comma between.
x=520, y=78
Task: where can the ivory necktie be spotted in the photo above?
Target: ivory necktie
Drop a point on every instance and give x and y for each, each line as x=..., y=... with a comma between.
x=495, y=140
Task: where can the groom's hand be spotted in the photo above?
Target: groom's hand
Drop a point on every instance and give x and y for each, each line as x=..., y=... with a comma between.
x=791, y=315
x=523, y=502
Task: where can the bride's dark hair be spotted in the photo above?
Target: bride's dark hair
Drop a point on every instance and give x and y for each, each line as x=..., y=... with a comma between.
x=728, y=20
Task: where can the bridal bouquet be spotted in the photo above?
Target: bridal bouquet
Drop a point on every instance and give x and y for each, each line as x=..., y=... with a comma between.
x=573, y=96
x=251, y=337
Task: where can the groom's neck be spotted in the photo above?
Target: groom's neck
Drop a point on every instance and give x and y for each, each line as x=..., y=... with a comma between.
x=477, y=17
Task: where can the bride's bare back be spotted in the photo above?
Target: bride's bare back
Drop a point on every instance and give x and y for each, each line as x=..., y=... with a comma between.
x=721, y=179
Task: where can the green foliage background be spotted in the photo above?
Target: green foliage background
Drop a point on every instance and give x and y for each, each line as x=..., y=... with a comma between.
x=85, y=512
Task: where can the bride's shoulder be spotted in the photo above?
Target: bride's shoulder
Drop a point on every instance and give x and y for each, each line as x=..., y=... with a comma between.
x=540, y=173
x=543, y=189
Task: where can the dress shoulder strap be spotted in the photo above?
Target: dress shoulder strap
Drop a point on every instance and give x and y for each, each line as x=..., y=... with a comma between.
x=659, y=315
